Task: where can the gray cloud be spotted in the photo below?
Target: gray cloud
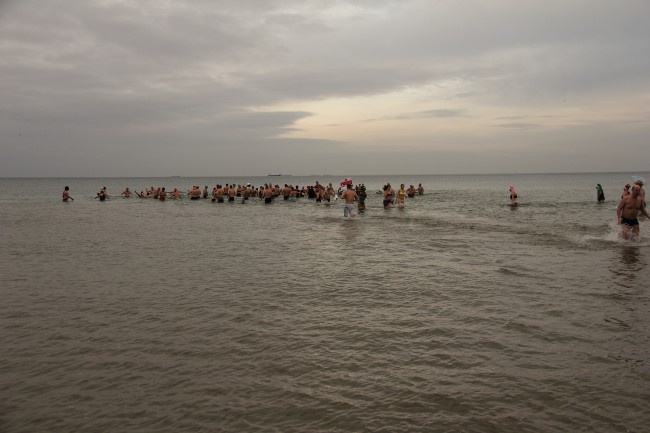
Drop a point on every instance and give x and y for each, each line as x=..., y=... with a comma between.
x=85, y=82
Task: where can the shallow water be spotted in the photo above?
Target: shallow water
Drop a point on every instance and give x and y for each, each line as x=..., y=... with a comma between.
x=456, y=313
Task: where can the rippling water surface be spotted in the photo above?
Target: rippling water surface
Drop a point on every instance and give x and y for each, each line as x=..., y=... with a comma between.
x=456, y=313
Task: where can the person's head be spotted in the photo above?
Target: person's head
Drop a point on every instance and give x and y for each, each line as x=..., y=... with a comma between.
x=67, y=188
x=349, y=186
x=636, y=190
x=639, y=182
x=627, y=186
x=402, y=186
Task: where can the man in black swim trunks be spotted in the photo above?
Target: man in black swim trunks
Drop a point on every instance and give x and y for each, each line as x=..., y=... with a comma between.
x=267, y=195
x=220, y=193
x=628, y=211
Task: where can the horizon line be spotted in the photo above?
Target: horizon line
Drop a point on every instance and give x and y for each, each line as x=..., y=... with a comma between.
x=324, y=175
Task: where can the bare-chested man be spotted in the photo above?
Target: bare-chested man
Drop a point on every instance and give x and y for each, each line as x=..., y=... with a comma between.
x=267, y=195
x=411, y=191
x=628, y=211
x=327, y=196
x=231, y=193
x=420, y=189
x=246, y=193
x=350, y=196
x=195, y=193
x=126, y=193
x=220, y=193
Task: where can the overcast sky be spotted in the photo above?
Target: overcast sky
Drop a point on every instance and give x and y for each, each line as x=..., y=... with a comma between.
x=221, y=87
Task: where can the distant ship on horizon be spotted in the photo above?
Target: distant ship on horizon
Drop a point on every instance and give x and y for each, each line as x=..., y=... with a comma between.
x=279, y=174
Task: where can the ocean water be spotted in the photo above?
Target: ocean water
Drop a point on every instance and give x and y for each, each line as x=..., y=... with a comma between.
x=456, y=313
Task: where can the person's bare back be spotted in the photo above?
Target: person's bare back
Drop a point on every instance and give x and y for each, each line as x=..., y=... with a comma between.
x=350, y=196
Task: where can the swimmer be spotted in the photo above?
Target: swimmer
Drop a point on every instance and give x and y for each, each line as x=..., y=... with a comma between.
x=410, y=192
x=220, y=193
x=126, y=193
x=361, y=192
x=246, y=193
x=401, y=193
x=66, y=194
x=420, y=189
x=326, y=194
x=600, y=194
x=349, y=196
x=628, y=211
x=195, y=193
x=513, y=196
x=205, y=192
x=388, y=196
x=267, y=195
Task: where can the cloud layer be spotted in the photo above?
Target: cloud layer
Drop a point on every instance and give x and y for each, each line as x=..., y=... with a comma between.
x=140, y=88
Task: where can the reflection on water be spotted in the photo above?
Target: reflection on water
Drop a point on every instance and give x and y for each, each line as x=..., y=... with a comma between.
x=627, y=267
x=630, y=255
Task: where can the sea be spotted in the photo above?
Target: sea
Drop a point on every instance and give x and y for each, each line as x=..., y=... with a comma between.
x=455, y=313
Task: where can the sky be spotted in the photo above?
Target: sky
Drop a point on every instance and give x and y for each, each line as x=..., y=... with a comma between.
x=251, y=87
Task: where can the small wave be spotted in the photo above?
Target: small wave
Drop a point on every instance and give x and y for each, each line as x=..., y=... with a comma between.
x=617, y=322
x=506, y=271
x=629, y=361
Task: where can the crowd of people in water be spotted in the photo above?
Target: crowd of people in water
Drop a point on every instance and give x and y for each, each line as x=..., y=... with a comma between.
x=269, y=193
x=632, y=201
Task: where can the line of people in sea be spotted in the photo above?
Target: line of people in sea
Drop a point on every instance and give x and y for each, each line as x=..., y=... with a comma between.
x=631, y=205
x=269, y=193
x=230, y=192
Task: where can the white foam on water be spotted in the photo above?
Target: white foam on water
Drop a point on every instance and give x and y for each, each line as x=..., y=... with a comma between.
x=613, y=236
